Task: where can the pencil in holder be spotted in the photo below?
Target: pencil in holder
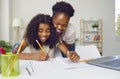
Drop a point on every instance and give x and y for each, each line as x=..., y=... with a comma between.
x=10, y=65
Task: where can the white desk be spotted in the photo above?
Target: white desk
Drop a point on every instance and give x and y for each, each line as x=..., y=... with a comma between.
x=87, y=72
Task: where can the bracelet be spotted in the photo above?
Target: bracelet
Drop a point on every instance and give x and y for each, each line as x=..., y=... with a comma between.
x=60, y=41
x=57, y=44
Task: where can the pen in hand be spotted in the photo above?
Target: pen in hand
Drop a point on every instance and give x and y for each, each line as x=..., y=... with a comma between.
x=40, y=46
x=46, y=56
x=73, y=56
x=68, y=52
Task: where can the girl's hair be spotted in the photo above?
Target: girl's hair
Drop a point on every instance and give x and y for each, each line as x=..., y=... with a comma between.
x=63, y=7
x=31, y=34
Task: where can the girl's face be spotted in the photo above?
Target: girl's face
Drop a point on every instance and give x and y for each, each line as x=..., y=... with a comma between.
x=43, y=32
x=60, y=22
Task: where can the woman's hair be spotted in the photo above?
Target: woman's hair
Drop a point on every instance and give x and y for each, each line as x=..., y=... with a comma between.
x=31, y=34
x=63, y=7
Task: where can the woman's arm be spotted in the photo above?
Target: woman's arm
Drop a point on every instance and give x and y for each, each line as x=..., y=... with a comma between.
x=71, y=47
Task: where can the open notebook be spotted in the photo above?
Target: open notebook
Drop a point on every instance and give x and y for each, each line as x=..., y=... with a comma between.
x=112, y=62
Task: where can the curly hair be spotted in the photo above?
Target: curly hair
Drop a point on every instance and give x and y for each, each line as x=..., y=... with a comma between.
x=31, y=33
x=63, y=7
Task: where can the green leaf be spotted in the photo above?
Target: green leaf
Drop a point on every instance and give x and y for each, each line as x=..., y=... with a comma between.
x=6, y=45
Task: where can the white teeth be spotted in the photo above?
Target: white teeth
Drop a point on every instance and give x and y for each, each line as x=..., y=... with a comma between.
x=43, y=38
x=59, y=31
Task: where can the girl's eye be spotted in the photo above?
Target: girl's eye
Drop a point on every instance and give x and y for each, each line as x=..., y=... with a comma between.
x=48, y=31
x=40, y=31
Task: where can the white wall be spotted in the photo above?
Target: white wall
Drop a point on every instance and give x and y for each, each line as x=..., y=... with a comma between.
x=0, y=18
x=4, y=20
x=86, y=9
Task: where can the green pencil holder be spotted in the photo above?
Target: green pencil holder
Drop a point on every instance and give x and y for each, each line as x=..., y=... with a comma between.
x=10, y=65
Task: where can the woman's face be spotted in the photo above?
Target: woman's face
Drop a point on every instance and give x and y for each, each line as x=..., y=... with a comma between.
x=60, y=22
x=43, y=32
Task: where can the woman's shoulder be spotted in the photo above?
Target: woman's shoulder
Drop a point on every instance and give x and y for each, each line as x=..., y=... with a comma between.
x=70, y=29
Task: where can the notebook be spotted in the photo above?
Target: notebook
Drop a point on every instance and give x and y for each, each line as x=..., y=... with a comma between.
x=111, y=62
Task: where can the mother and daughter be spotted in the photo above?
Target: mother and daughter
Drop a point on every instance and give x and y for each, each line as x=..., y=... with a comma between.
x=50, y=32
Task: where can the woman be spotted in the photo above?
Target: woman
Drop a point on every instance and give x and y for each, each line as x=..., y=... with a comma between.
x=62, y=12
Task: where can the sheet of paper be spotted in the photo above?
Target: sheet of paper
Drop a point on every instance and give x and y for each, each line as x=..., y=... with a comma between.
x=55, y=64
x=49, y=65
x=70, y=63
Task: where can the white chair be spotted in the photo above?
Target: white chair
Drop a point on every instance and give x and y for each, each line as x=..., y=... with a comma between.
x=87, y=52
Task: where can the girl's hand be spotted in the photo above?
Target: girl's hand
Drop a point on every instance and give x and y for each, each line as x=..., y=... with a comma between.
x=41, y=56
x=73, y=56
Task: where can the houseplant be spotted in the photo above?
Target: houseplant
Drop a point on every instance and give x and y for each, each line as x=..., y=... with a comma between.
x=95, y=26
x=6, y=45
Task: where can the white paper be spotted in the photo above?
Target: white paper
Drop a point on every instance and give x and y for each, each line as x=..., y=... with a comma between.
x=70, y=63
x=54, y=64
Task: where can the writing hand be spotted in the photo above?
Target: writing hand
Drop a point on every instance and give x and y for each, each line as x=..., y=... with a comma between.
x=41, y=56
x=73, y=56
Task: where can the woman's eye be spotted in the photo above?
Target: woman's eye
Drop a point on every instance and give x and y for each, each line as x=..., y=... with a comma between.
x=57, y=24
x=64, y=26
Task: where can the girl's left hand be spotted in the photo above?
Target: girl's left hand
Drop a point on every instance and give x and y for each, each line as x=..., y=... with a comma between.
x=73, y=56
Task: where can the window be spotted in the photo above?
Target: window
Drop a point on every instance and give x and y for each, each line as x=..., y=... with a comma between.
x=117, y=17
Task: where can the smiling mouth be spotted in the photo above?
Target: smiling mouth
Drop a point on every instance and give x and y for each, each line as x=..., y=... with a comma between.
x=59, y=31
x=43, y=39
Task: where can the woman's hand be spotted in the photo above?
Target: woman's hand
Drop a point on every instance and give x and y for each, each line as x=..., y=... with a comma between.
x=73, y=56
x=41, y=56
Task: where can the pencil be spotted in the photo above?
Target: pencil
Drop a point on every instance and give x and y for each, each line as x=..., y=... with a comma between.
x=85, y=60
x=12, y=64
x=68, y=52
x=40, y=46
x=28, y=71
x=20, y=46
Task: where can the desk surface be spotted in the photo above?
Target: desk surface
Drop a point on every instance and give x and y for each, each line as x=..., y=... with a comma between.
x=87, y=72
